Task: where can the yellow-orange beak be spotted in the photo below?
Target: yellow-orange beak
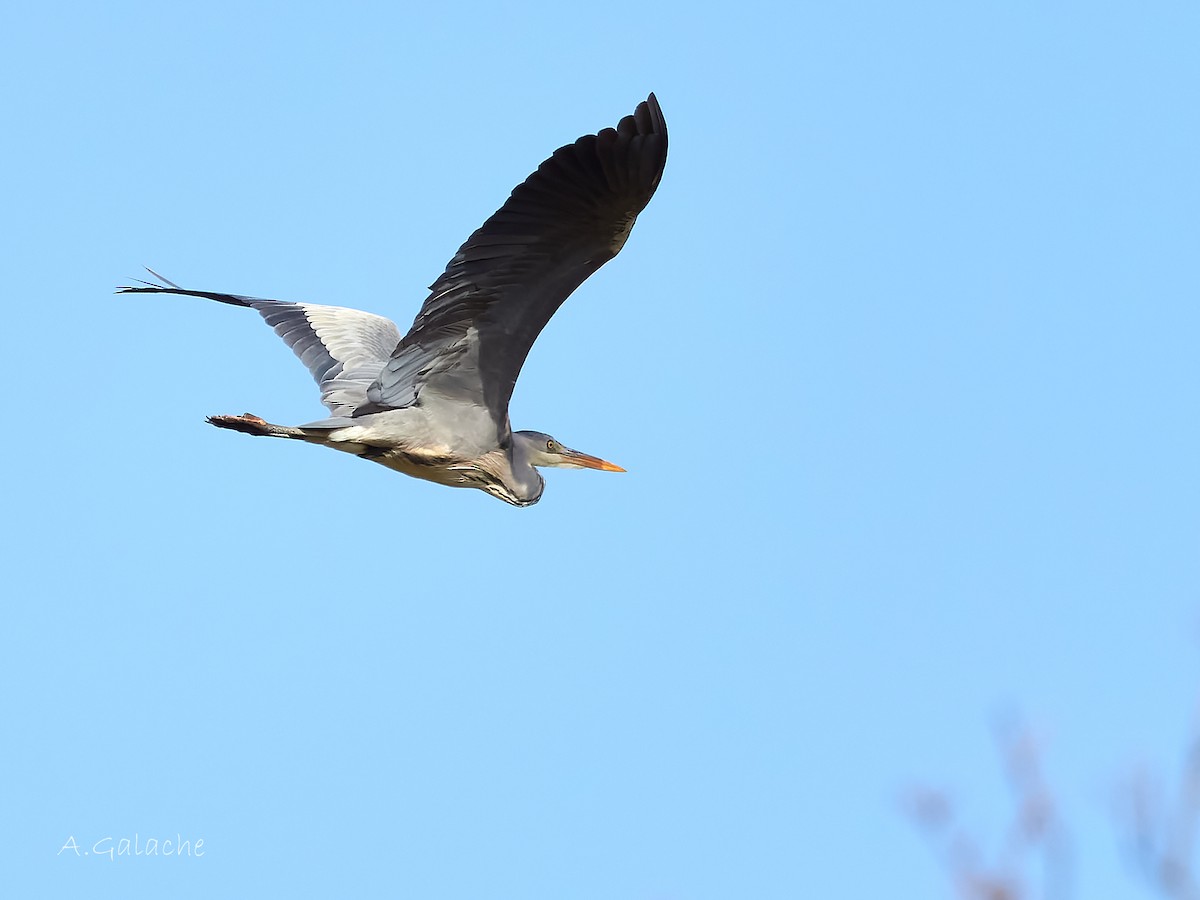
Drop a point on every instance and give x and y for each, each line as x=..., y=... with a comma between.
x=592, y=462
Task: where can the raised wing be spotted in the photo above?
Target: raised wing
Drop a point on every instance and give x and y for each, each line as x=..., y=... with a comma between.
x=565, y=221
x=344, y=349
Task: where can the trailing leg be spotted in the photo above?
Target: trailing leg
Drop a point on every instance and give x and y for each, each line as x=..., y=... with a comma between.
x=251, y=424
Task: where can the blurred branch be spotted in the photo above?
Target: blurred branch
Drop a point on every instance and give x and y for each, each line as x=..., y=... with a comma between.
x=1161, y=838
x=1034, y=841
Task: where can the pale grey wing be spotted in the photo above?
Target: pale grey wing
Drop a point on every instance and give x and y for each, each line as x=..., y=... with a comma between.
x=567, y=219
x=344, y=349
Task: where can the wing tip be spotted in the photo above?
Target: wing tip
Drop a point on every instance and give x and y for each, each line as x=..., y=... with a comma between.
x=167, y=281
x=656, y=114
x=148, y=287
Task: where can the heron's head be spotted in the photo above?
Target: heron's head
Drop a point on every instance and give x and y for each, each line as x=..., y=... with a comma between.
x=542, y=450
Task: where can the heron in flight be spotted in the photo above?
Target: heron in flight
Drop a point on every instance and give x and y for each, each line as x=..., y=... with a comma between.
x=434, y=403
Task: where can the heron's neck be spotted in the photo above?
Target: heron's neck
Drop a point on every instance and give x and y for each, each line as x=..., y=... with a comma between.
x=522, y=479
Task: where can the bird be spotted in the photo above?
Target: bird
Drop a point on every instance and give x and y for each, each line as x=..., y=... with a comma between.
x=433, y=403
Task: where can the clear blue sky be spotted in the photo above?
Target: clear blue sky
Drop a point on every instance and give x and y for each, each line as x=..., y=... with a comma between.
x=901, y=360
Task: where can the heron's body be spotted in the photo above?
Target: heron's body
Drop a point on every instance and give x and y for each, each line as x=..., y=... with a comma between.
x=411, y=442
x=434, y=403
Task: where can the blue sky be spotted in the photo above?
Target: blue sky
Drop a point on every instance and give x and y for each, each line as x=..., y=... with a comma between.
x=901, y=360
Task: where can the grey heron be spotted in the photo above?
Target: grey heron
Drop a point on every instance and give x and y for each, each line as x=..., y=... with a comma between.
x=434, y=403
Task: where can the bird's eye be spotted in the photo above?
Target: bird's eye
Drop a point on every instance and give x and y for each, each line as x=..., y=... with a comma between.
x=550, y=445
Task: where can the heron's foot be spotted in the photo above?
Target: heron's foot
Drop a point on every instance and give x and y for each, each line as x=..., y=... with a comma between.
x=246, y=423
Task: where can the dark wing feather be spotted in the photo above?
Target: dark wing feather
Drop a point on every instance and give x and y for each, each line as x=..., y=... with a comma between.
x=565, y=221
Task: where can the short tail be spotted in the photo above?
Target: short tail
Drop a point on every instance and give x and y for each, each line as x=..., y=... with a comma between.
x=251, y=424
